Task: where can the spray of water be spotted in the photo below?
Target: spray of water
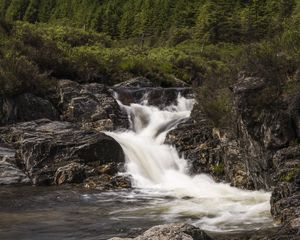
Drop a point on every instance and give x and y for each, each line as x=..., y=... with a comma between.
x=157, y=168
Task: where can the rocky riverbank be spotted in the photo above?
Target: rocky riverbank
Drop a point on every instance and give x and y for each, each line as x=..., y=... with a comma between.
x=260, y=151
x=57, y=139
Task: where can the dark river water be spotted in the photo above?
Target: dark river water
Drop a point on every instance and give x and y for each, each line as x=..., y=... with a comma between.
x=42, y=213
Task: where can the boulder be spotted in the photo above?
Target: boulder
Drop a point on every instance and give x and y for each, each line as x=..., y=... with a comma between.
x=10, y=174
x=47, y=148
x=107, y=182
x=176, y=231
x=71, y=173
x=26, y=107
x=89, y=103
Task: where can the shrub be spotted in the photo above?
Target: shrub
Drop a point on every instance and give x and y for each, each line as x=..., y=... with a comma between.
x=18, y=75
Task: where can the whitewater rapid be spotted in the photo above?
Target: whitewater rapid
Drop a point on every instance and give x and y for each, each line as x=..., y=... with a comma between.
x=158, y=170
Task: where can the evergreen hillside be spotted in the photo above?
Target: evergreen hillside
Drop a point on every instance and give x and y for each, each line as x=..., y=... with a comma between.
x=206, y=20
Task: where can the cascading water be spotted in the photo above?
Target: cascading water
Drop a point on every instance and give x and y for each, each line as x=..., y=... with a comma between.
x=158, y=170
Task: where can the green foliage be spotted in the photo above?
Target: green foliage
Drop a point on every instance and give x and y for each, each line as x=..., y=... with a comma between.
x=219, y=21
x=16, y=10
x=31, y=13
x=18, y=75
x=289, y=176
x=218, y=168
x=212, y=20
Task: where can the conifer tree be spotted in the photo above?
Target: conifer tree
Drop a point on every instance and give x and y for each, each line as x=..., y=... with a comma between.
x=16, y=10
x=46, y=9
x=32, y=11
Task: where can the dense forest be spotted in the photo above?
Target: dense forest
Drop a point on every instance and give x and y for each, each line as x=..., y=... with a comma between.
x=205, y=43
x=210, y=21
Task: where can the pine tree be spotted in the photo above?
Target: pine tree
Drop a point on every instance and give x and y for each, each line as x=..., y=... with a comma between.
x=46, y=9
x=4, y=4
x=127, y=20
x=258, y=20
x=32, y=11
x=16, y=10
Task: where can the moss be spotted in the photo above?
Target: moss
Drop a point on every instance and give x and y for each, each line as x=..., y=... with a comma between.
x=289, y=176
x=218, y=168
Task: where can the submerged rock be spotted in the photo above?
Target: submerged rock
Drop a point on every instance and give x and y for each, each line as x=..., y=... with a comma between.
x=176, y=231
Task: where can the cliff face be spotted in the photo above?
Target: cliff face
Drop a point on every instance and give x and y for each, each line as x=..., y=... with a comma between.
x=268, y=133
x=261, y=151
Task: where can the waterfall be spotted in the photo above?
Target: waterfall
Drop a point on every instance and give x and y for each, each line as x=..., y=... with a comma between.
x=157, y=168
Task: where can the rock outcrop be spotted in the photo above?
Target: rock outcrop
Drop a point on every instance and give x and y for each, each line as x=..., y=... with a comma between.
x=260, y=151
x=26, y=107
x=177, y=231
x=209, y=150
x=60, y=152
x=141, y=90
x=91, y=104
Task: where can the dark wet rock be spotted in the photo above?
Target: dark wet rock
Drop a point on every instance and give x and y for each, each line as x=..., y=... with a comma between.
x=142, y=82
x=208, y=150
x=71, y=173
x=26, y=107
x=107, y=182
x=88, y=103
x=138, y=82
x=10, y=174
x=286, y=163
x=177, y=231
x=285, y=203
x=265, y=126
x=43, y=146
x=260, y=151
x=160, y=97
x=248, y=155
x=139, y=90
x=100, y=125
x=193, y=140
x=248, y=84
x=289, y=231
x=110, y=169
